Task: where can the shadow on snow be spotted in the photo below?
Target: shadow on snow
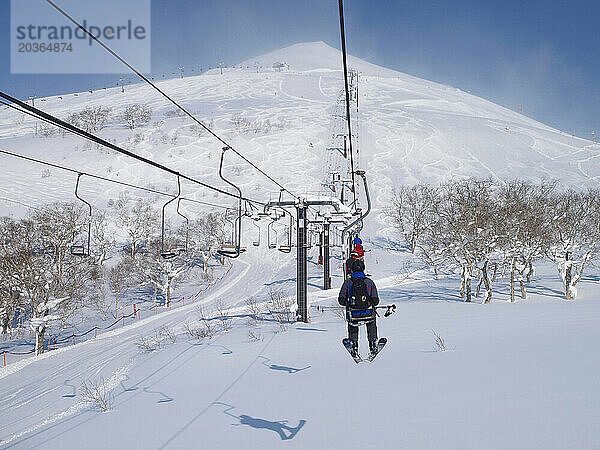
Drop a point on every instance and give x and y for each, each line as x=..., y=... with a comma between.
x=280, y=427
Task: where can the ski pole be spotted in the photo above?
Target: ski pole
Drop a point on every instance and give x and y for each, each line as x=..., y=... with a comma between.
x=390, y=309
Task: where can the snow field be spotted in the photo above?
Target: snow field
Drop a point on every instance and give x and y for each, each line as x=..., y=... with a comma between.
x=507, y=367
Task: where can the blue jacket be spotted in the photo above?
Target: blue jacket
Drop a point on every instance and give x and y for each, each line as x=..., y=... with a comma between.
x=346, y=289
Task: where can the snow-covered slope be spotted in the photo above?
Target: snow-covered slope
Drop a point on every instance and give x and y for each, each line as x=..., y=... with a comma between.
x=517, y=376
x=410, y=130
x=316, y=56
x=508, y=368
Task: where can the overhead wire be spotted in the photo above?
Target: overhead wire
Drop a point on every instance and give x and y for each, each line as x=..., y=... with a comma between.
x=343, y=36
x=35, y=116
x=18, y=202
x=165, y=95
x=68, y=127
x=122, y=183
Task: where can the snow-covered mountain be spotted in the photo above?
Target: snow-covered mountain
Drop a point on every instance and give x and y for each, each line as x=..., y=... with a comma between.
x=409, y=130
x=509, y=381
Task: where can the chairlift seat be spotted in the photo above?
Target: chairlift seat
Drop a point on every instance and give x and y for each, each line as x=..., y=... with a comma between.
x=285, y=248
x=78, y=250
x=172, y=252
x=230, y=251
x=357, y=317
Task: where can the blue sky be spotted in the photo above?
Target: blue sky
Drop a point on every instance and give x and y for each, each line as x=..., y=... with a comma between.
x=540, y=55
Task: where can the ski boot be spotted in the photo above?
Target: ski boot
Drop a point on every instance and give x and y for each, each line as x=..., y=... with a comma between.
x=374, y=349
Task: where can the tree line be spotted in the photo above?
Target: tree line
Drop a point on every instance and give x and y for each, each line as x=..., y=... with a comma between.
x=94, y=118
x=43, y=281
x=481, y=226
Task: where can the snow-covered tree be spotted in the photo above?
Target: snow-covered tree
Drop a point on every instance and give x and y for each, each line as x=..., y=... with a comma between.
x=575, y=235
x=206, y=236
x=90, y=119
x=136, y=114
x=102, y=241
x=9, y=303
x=10, y=299
x=51, y=281
x=452, y=225
x=412, y=211
x=162, y=273
x=138, y=219
x=467, y=228
x=120, y=278
x=10, y=296
x=525, y=228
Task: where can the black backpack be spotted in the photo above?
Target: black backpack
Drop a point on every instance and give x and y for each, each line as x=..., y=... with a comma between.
x=360, y=298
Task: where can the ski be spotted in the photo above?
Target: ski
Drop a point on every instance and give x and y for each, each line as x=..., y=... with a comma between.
x=348, y=345
x=380, y=344
x=358, y=359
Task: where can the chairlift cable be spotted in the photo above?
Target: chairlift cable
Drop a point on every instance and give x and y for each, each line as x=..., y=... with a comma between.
x=122, y=183
x=36, y=116
x=343, y=37
x=133, y=69
x=56, y=121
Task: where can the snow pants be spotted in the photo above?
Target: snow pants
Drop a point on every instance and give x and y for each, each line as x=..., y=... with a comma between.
x=371, y=331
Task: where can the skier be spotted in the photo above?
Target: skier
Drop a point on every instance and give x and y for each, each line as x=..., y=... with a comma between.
x=350, y=262
x=359, y=294
x=358, y=248
x=356, y=253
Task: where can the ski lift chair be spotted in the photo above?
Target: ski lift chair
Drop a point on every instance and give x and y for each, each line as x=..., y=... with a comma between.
x=233, y=249
x=357, y=317
x=168, y=253
x=270, y=229
x=229, y=249
x=176, y=251
x=287, y=247
x=79, y=249
x=228, y=245
x=256, y=242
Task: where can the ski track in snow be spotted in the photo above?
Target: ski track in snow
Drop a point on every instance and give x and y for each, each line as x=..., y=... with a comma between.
x=80, y=365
